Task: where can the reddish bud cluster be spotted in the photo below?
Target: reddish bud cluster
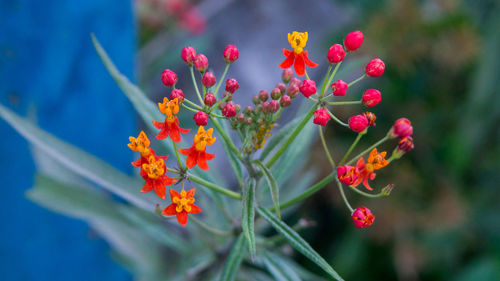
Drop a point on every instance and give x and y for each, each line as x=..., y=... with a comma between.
x=231, y=53
x=308, y=88
x=232, y=85
x=339, y=88
x=321, y=117
x=371, y=97
x=201, y=63
x=177, y=94
x=353, y=40
x=358, y=123
x=201, y=118
x=375, y=68
x=208, y=79
x=335, y=54
x=188, y=54
x=169, y=78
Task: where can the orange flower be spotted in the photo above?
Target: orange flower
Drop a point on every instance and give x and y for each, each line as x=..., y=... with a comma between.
x=298, y=57
x=170, y=127
x=196, y=154
x=182, y=205
x=141, y=145
x=155, y=176
x=375, y=161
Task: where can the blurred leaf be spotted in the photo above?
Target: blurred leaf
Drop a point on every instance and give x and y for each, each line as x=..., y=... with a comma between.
x=298, y=242
x=273, y=186
x=278, y=269
x=279, y=136
x=234, y=260
x=248, y=215
x=487, y=268
x=235, y=163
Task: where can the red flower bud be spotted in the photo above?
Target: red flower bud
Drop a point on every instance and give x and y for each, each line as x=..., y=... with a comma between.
x=321, y=117
x=232, y=85
x=201, y=63
x=406, y=144
x=353, y=40
x=274, y=105
x=401, y=128
x=371, y=118
x=200, y=118
x=285, y=101
x=168, y=77
x=375, y=68
x=335, y=54
x=230, y=53
x=339, y=88
x=286, y=75
x=188, y=54
x=229, y=110
x=292, y=91
x=308, y=88
x=177, y=93
x=362, y=217
x=210, y=99
x=275, y=94
x=347, y=174
x=263, y=95
x=265, y=107
x=371, y=97
x=358, y=123
x=282, y=87
x=208, y=79
x=294, y=81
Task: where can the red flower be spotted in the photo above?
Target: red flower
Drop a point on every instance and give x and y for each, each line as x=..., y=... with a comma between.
x=155, y=176
x=298, y=57
x=170, y=127
x=362, y=217
x=182, y=205
x=366, y=170
x=347, y=174
x=196, y=155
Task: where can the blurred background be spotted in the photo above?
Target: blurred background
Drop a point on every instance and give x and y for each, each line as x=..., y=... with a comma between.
x=441, y=222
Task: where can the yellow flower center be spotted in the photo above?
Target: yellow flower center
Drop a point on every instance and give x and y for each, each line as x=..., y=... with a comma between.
x=183, y=202
x=169, y=108
x=203, y=138
x=140, y=144
x=298, y=41
x=155, y=168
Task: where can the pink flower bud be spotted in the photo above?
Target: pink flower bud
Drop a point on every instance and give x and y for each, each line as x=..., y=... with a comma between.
x=230, y=98
x=308, y=88
x=371, y=97
x=188, y=54
x=371, y=118
x=201, y=63
x=263, y=95
x=229, y=110
x=294, y=81
x=255, y=100
x=240, y=117
x=339, y=88
x=286, y=75
x=248, y=109
x=292, y=91
x=353, y=40
x=362, y=217
x=375, y=68
x=168, y=77
x=208, y=79
x=358, y=123
x=274, y=105
x=401, y=128
x=282, y=87
x=406, y=144
x=210, y=99
x=285, y=101
x=265, y=107
x=232, y=85
x=177, y=93
x=335, y=54
x=231, y=53
x=275, y=94
x=347, y=174
x=321, y=117
x=200, y=118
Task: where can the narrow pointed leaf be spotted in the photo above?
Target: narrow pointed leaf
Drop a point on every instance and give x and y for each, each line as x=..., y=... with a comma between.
x=279, y=270
x=298, y=242
x=234, y=260
x=279, y=136
x=273, y=187
x=248, y=216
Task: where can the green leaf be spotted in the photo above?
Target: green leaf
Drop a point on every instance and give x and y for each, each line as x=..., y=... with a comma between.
x=298, y=242
x=233, y=160
x=273, y=187
x=278, y=269
x=234, y=260
x=82, y=163
x=248, y=216
x=279, y=136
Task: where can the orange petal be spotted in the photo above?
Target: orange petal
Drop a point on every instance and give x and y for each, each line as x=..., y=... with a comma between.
x=202, y=162
x=163, y=134
x=308, y=61
x=158, y=125
x=170, y=210
x=147, y=187
x=174, y=194
x=168, y=180
x=288, y=61
x=209, y=156
x=184, y=151
x=192, y=159
x=299, y=65
x=195, y=209
x=137, y=163
x=182, y=217
x=190, y=192
x=286, y=52
x=160, y=189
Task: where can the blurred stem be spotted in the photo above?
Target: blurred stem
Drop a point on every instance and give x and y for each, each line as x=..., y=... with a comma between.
x=173, y=171
x=356, y=81
x=195, y=85
x=333, y=75
x=336, y=119
x=217, y=115
x=189, y=108
x=324, y=81
x=353, y=145
x=381, y=141
x=209, y=228
x=307, y=75
x=292, y=137
x=214, y=187
x=177, y=155
x=323, y=141
x=366, y=194
x=192, y=104
x=221, y=79
x=219, y=102
x=341, y=189
x=343, y=102
x=226, y=138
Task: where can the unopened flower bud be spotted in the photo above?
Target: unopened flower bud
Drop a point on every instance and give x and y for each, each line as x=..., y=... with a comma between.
x=401, y=128
x=282, y=87
x=201, y=63
x=347, y=174
x=230, y=98
x=406, y=144
x=188, y=54
x=168, y=77
x=208, y=79
x=177, y=93
x=308, y=88
x=248, y=110
x=353, y=40
x=275, y=94
x=232, y=85
x=292, y=91
x=263, y=95
x=285, y=101
x=375, y=68
x=371, y=97
x=229, y=110
x=240, y=117
x=249, y=120
x=358, y=123
x=255, y=100
x=231, y=53
x=339, y=88
x=265, y=107
x=321, y=117
x=335, y=54
x=286, y=75
x=362, y=217
x=210, y=99
x=371, y=118
x=238, y=108
x=274, y=105
x=387, y=189
x=200, y=118
x=222, y=105
x=295, y=81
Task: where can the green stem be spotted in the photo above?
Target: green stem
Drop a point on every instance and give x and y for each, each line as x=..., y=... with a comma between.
x=217, y=115
x=366, y=194
x=173, y=171
x=324, y=81
x=221, y=79
x=341, y=189
x=195, y=85
x=353, y=145
x=343, y=102
x=323, y=141
x=189, y=108
x=177, y=155
x=336, y=119
x=356, y=81
x=333, y=75
x=219, y=102
x=381, y=141
x=214, y=187
x=225, y=137
x=192, y=104
x=292, y=137
x=307, y=76
x=209, y=228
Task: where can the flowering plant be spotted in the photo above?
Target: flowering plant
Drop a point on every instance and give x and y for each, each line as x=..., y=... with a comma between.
x=232, y=238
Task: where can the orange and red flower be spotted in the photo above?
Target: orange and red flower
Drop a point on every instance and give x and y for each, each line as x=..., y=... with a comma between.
x=298, y=57
x=182, y=205
x=366, y=170
x=196, y=155
x=155, y=176
x=141, y=145
x=170, y=127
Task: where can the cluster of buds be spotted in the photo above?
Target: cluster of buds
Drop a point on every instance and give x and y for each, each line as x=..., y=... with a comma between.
x=403, y=130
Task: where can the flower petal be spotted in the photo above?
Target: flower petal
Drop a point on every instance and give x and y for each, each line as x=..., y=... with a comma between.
x=170, y=210
x=195, y=209
x=182, y=218
x=174, y=194
x=308, y=61
x=288, y=61
x=160, y=189
x=299, y=65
